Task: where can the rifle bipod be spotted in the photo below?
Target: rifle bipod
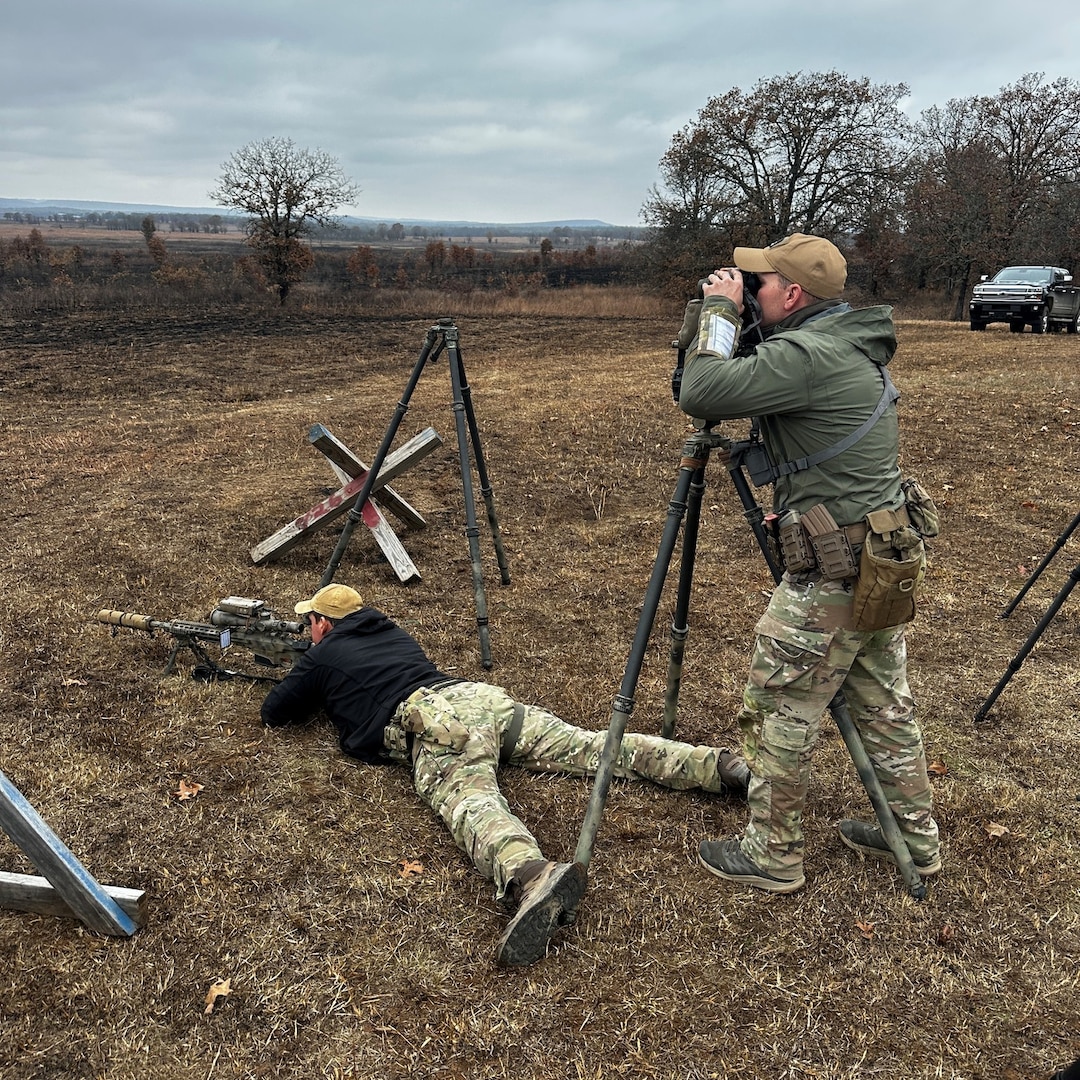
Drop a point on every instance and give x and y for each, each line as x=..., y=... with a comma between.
x=684, y=511
x=442, y=336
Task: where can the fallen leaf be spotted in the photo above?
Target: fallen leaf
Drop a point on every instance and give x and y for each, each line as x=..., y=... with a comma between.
x=994, y=829
x=73, y=682
x=410, y=868
x=188, y=790
x=945, y=935
x=867, y=929
x=938, y=768
x=1029, y=505
x=218, y=988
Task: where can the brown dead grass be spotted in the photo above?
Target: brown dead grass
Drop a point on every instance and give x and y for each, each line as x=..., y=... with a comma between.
x=142, y=458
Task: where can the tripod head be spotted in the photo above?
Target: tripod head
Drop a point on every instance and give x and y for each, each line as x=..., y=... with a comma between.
x=437, y=337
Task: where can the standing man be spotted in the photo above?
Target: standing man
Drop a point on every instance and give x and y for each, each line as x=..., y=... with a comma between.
x=387, y=700
x=819, y=392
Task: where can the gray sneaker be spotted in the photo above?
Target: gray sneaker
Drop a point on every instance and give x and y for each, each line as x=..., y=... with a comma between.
x=548, y=901
x=725, y=859
x=869, y=840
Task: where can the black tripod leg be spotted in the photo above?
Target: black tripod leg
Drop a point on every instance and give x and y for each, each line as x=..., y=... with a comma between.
x=481, y=465
x=1016, y=661
x=624, y=700
x=680, y=622
x=1043, y=565
x=471, y=529
x=355, y=515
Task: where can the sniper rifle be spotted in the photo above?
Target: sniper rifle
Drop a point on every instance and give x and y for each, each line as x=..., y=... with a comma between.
x=236, y=621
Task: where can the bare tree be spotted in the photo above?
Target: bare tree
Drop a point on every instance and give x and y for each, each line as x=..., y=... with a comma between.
x=797, y=153
x=285, y=191
x=994, y=181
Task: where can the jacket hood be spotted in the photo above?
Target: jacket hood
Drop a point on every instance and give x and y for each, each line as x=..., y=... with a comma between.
x=870, y=330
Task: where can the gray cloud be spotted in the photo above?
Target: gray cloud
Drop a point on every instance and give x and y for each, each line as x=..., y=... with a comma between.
x=469, y=109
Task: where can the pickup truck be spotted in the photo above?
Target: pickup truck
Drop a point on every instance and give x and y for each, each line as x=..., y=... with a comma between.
x=1037, y=296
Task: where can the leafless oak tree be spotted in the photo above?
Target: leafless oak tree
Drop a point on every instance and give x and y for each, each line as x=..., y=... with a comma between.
x=285, y=191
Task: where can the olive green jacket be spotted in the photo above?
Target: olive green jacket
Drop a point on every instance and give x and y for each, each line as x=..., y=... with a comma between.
x=813, y=381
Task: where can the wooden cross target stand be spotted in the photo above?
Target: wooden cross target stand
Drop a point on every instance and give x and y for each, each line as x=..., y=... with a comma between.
x=353, y=475
x=67, y=888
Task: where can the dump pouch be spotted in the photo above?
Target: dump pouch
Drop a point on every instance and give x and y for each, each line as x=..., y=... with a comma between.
x=428, y=716
x=891, y=570
x=830, y=544
x=921, y=508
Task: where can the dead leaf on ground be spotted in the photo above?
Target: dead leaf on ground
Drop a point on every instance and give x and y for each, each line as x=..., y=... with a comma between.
x=866, y=929
x=994, y=829
x=188, y=790
x=946, y=935
x=410, y=869
x=938, y=768
x=218, y=988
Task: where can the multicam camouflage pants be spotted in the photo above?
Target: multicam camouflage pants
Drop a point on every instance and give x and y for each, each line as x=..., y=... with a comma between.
x=804, y=653
x=456, y=753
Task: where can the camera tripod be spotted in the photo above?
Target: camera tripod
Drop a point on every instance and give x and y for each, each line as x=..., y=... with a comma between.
x=442, y=336
x=685, y=507
x=1044, y=622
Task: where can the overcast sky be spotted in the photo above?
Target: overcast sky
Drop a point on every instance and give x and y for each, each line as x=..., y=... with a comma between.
x=476, y=110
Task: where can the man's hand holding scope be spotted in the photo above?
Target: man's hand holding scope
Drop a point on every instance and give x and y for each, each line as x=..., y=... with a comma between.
x=726, y=282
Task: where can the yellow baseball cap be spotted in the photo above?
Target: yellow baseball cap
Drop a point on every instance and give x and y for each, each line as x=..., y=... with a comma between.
x=333, y=601
x=810, y=261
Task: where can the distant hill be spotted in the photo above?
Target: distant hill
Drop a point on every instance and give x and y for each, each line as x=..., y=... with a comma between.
x=79, y=207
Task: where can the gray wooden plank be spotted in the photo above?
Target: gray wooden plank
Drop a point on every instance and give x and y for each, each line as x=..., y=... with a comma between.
x=86, y=898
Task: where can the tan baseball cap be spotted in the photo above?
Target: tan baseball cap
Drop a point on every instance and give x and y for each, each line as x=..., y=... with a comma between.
x=333, y=601
x=809, y=261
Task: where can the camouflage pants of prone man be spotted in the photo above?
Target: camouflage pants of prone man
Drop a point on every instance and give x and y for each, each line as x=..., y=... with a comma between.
x=459, y=732
x=804, y=653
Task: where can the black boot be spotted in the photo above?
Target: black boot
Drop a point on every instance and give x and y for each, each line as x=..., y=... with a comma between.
x=733, y=772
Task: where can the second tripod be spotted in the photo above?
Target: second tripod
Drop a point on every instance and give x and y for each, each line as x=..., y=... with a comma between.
x=443, y=336
x=685, y=506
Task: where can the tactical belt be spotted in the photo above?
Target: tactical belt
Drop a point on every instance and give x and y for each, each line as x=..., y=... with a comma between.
x=510, y=736
x=442, y=684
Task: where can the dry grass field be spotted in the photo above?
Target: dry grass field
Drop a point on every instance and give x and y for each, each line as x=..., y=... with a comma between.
x=142, y=457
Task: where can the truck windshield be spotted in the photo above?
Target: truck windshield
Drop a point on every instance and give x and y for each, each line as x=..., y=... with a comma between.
x=1023, y=275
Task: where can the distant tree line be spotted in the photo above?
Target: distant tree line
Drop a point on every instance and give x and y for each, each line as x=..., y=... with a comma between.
x=123, y=221
x=917, y=204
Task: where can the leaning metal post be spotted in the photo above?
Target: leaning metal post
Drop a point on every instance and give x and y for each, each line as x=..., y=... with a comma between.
x=1018, y=659
x=1058, y=545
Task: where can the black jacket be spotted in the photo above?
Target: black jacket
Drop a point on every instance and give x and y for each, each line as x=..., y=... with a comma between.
x=358, y=675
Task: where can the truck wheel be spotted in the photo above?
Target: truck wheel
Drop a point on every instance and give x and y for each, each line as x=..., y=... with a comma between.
x=978, y=324
x=1016, y=326
x=1041, y=322
x=1070, y=328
